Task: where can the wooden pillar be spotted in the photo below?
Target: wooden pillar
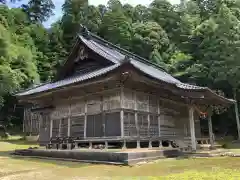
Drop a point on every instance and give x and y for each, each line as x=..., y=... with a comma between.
x=122, y=112
x=39, y=125
x=85, y=119
x=59, y=127
x=237, y=119
x=160, y=144
x=24, y=119
x=31, y=123
x=159, y=118
x=192, y=128
x=51, y=127
x=236, y=113
x=124, y=145
x=148, y=116
x=103, y=116
x=122, y=123
x=106, y=145
x=210, y=130
x=69, y=120
x=135, y=113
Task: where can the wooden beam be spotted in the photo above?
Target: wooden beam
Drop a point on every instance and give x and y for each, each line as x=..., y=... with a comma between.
x=192, y=128
x=163, y=99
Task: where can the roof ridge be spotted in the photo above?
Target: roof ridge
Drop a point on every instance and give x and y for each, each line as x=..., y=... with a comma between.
x=104, y=42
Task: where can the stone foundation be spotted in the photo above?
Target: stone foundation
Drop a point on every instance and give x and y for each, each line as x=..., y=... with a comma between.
x=102, y=156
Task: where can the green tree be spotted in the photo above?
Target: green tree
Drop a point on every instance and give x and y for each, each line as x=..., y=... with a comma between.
x=74, y=14
x=150, y=41
x=39, y=10
x=116, y=28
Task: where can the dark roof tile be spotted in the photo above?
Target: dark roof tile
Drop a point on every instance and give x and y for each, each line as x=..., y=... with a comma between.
x=68, y=81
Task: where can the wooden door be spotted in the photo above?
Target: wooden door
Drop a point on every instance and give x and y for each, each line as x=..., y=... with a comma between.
x=112, y=124
x=95, y=126
x=44, y=135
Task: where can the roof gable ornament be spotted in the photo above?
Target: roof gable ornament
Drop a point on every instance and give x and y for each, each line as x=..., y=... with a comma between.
x=82, y=53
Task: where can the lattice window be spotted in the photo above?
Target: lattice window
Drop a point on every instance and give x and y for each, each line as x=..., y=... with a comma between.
x=35, y=122
x=77, y=126
x=153, y=104
x=60, y=112
x=43, y=122
x=129, y=124
x=94, y=105
x=143, y=124
x=55, y=128
x=154, y=130
x=167, y=126
x=63, y=131
x=111, y=101
x=142, y=102
x=128, y=100
x=77, y=107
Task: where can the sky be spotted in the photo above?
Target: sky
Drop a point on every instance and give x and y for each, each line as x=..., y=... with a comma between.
x=58, y=6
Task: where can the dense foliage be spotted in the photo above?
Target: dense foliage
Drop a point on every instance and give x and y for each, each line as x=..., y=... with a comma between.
x=198, y=41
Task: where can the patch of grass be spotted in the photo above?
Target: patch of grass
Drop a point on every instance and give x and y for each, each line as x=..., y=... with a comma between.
x=22, y=168
x=11, y=138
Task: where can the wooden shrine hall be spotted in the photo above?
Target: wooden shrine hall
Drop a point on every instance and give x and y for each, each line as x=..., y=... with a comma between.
x=105, y=94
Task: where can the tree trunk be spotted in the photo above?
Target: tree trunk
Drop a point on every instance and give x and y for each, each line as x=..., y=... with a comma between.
x=236, y=112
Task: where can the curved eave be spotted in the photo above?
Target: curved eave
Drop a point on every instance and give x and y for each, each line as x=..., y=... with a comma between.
x=220, y=98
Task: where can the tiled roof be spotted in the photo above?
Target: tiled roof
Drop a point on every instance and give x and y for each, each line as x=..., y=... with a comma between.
x=68, y=81
x=112, y=53
x=117, y=55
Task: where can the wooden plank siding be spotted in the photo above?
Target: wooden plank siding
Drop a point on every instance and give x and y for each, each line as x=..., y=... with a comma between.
x=99, y=115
